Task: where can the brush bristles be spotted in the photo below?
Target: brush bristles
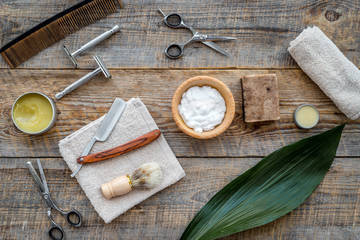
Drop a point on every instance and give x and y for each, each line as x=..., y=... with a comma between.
x=57, y=30
x=148, y=175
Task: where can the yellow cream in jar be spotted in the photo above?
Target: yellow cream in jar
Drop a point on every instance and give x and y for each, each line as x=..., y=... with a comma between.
x=306, y=116
x=32, y=113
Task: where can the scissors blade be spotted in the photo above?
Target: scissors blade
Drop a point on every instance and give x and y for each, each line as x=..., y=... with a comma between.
x=42, y=175
x=35, y=176
x=218, y=38
x=217, y=48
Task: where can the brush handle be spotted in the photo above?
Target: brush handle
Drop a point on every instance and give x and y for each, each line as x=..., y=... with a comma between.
x=119, y=186
x=117, y=151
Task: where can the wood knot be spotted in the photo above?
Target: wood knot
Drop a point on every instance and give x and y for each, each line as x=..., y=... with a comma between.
x=331, y=15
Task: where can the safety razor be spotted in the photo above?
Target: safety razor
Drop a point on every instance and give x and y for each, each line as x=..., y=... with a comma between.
x=102, y=68
x=90, y=44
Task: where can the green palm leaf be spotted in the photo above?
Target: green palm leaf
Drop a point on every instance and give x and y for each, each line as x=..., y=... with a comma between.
x=275, y=186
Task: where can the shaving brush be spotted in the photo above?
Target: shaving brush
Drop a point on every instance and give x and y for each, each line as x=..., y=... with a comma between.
x=146, y=176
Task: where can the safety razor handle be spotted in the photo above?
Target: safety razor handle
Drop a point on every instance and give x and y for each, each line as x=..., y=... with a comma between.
x=96, y=40
x=119, y=150
x=77, y=84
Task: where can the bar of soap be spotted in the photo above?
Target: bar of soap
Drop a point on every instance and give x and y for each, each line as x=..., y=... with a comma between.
x=261, y=98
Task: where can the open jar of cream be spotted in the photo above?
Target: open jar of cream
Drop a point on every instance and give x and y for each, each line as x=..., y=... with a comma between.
x=306, y=116
x=199, y=104
x=202, y=108
x=33, y=113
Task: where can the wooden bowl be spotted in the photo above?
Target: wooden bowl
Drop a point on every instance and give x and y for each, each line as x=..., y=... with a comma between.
x=204, y=81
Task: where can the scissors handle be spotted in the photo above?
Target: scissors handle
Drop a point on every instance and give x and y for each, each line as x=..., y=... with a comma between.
x=56, y=232
x=70, y=215
x=175, y=20
x=174, y=50
x=67, y=214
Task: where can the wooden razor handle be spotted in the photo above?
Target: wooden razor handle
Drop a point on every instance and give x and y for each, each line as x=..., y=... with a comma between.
x=117, y=151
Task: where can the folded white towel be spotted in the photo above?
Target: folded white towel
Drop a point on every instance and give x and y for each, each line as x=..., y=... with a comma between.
x=135, y=121
x=327, y=66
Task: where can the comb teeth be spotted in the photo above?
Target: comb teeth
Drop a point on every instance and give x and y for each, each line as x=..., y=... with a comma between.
x=56, y=30
x=85, y=15
x=33, y=44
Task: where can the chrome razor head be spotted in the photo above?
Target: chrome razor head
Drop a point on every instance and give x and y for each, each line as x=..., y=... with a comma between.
x=102, y=67
x=70, y=56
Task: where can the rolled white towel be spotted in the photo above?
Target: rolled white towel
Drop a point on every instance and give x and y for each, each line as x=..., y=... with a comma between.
x=327, y=66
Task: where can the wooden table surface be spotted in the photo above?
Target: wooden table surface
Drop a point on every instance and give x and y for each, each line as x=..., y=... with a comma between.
x=140, y=69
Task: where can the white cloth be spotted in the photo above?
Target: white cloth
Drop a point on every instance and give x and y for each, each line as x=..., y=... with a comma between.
x=327, y=66
x=135, y=121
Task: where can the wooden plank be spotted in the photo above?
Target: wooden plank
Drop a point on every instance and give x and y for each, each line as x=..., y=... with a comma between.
x=263, y=30
x=155, y=88
x=331, y=212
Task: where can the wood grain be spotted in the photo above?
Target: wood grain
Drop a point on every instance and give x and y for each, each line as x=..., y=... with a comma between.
x=263, y=30
x=155, y=88
x=331, y=212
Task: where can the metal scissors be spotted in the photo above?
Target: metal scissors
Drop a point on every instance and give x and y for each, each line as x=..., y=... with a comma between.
x=176, y=50
x=73, y=217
